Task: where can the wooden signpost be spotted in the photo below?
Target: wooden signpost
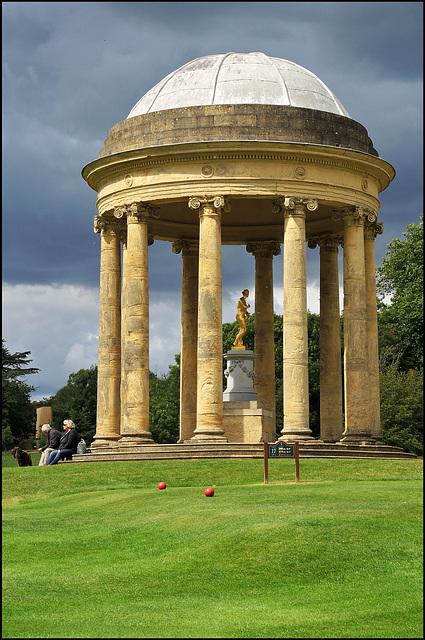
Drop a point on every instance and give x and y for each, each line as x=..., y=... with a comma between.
x=281, y=450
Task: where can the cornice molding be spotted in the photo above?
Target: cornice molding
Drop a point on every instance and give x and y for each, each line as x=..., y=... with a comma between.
x=125, y=162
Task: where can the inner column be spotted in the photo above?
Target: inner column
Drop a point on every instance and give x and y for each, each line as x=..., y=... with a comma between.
x=189, y=334
x=209, y=418
x=356, y=376
x=331, y=425
x=264, y=323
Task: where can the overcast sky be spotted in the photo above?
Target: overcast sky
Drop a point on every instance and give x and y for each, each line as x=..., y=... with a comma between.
x=71, y=70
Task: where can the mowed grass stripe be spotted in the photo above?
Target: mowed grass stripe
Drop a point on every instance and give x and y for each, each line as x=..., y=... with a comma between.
x=331, y=558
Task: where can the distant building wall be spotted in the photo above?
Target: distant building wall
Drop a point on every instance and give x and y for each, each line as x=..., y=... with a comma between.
x=44, y=416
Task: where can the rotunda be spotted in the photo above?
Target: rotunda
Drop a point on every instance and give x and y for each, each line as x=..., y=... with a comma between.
x=252, y=150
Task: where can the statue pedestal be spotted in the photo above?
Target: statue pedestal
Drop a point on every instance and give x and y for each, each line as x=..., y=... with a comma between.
x=248, y=422
x=245, y=420
x=240, y=376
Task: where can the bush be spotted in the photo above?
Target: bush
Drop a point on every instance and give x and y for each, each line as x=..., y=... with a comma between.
x=6, y=438
x=402, y=408
x=164, y=405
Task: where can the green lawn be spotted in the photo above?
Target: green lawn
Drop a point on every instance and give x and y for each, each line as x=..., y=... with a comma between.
x=97, y=551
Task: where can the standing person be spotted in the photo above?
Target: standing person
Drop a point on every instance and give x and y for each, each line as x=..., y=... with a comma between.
x=53, y=439
x=67, y=445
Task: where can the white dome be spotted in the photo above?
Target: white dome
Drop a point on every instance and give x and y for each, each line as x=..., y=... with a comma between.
x=239, y=78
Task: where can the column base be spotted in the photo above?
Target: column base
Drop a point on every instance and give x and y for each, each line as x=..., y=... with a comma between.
x=104, y=442
x=361, y=438
x=298, y=436
x=134, y=441
x=207, y=438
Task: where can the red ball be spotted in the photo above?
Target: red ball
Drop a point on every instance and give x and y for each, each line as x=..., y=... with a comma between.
x=209, y=491
x=162, y=485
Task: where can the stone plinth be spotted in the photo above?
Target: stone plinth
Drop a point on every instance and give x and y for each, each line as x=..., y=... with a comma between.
x=248, y=422
x=310, y=449
x=240, y=376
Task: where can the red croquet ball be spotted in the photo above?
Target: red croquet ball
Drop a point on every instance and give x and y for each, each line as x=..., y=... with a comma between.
x=209, y=491
x=162, y=485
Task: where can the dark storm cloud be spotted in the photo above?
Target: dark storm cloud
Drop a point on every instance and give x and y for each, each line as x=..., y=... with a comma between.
x=73, y=70
x=360, y=31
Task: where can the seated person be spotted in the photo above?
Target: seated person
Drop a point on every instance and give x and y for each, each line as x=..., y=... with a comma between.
x=67, y=445
x=53, y=439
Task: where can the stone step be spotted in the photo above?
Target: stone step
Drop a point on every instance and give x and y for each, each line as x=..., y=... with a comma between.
x=239, y=450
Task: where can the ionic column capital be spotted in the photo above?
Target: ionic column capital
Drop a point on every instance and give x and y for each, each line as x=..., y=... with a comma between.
x=372, y=230
x=326, y=243
x=354, y=216
x=294, y=205
x=111, y=225
x=266, y=249
x=136, y=212
x=209, y=205
x=186, y=247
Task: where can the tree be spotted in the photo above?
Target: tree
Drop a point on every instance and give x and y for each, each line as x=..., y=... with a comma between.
x=6, y=438
x=313, y=328
x=400, y=277
x=18, y=413
x=164, y=405
x=76, y=401
x=402, y=407
x=400, y=326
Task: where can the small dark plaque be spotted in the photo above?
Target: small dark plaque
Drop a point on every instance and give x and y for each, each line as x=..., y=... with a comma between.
x=281, y=450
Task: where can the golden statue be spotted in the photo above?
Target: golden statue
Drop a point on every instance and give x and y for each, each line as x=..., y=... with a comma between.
x=241, y=314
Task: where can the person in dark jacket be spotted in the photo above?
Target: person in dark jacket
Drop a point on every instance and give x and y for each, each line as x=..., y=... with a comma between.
x=53, y=439
x=67, y=445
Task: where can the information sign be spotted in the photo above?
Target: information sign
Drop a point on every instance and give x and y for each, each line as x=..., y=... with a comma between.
x=281, y=450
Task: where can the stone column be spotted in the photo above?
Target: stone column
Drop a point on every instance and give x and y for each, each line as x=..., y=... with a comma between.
x=189, y=335
x=295, y=334
x=135, y=373
x=356, y=375
x=123, y=309
x=331, y=425
x=371, y=230
x=209, y=419
x=264, y=323
x=109, y=359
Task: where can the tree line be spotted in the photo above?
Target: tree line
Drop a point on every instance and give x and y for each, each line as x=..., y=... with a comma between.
x=400, y=330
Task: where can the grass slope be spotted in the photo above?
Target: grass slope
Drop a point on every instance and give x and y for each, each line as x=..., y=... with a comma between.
x=96, y=550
